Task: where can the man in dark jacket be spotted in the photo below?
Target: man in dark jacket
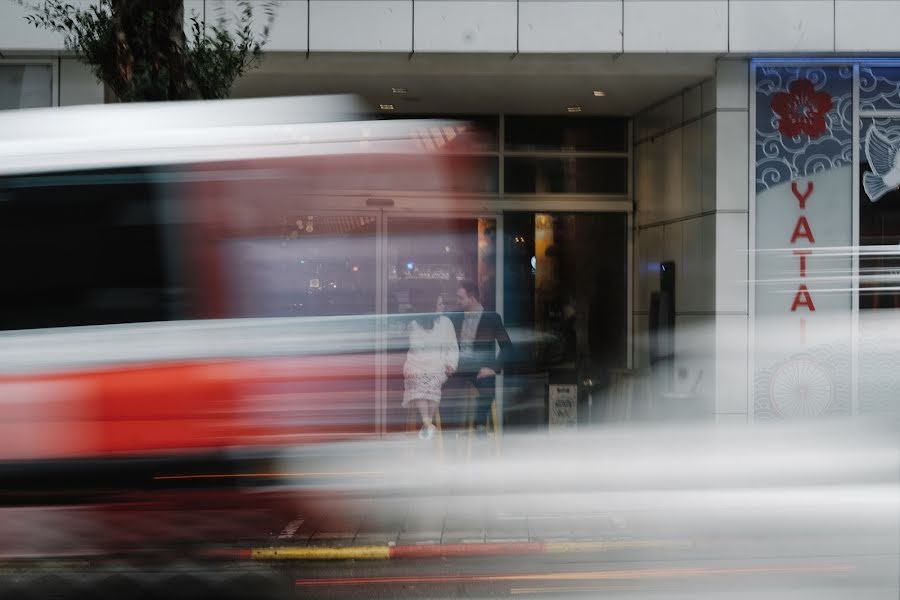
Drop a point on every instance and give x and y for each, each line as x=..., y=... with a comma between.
x=479, y=332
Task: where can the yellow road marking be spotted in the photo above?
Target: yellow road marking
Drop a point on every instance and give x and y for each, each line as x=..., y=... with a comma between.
x=303, y=553
x=229, y=475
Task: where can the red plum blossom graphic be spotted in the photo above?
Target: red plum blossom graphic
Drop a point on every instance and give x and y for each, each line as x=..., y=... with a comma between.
x=802, y=110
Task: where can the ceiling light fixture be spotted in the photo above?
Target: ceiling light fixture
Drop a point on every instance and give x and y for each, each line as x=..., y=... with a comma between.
x=387, y=106
x=599, y=93
x=574, y=109
x=399, y=90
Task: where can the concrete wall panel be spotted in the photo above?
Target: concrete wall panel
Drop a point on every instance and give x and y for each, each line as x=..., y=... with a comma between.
x=570, y=26
x=680, y=26
x=360, y=25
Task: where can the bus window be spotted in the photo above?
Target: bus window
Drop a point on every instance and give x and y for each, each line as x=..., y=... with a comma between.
x=80, y=249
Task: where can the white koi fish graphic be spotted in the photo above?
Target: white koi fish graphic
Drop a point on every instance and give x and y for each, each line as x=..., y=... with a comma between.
x=884, y=159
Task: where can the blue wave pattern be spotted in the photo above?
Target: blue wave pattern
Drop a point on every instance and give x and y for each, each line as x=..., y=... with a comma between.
x=780, y=159
x=879, y=88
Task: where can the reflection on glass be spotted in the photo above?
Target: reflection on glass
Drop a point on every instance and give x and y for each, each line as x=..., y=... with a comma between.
x=438, y=253
x=568, y=134
x=565, y=281
x=879, y=217
x=483, y=129
x=879, y=254
x=26, y=86
x=319, y=265
x=432, y=255
x=527, y=175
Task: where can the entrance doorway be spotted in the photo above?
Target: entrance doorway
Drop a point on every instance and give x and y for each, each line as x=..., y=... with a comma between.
x=431, y=255
x=566, y=282
x=558, y=279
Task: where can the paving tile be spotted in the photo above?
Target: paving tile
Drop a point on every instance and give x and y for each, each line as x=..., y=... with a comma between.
x=425, y=517
x=464, y=527
x=508, y=532
x=419, y=537
x=594, y=527
x=376, y=538
x=462, y=536
x=338, y=540
x=336, y=532
x=549, y=529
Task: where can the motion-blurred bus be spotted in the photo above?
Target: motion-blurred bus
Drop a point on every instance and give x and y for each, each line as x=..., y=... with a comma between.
x=187, y=286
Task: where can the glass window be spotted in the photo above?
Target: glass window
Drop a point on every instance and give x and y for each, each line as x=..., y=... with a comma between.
x=879, y=88
x=427, y=257
x=567, y=134
x=569, y=309
x=435, y=254
x=485, y=127
x=879, y=263
x=315, y=265
x=879, y=219
x=80, y=249
x=527, y=175
x=26, y=86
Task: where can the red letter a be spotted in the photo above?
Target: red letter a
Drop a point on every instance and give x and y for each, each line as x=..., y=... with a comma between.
x=802, y=298
x=802, y=230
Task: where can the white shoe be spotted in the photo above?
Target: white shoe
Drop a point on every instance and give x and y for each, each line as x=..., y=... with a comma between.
x=423, y=433
x=429, y=433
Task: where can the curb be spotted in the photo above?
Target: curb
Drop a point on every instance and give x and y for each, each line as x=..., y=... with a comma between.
x=422, y=551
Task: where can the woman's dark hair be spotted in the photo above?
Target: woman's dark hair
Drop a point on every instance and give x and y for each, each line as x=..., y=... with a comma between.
x=424, y=304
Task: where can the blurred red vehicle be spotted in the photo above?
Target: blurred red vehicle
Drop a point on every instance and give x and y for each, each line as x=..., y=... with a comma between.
x=189, y=286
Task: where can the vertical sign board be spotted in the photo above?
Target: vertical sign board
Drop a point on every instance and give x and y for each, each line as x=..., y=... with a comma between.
x=879, y=222
x=803, y=222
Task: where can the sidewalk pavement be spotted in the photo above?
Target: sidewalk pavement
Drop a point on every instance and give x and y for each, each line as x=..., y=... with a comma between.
x=425, y=529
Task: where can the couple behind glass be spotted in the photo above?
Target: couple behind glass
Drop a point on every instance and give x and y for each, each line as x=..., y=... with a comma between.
x=441, y=347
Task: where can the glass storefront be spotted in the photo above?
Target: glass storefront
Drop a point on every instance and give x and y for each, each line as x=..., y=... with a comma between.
x=558, y=277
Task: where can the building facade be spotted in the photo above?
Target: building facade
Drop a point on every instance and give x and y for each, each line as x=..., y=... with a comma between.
x=698, y=166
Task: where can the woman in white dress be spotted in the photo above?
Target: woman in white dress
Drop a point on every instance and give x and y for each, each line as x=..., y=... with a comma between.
x=432, y=357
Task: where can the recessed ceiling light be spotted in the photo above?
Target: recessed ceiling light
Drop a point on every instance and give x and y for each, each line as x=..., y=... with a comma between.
x=574, y=109
x=387, y=106
x=599, y=93
x=399, y=90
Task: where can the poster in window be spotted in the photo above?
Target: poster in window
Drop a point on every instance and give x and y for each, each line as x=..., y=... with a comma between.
x=563, y=407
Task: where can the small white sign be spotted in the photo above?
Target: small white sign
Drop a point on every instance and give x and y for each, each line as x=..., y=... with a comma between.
x=563, y=407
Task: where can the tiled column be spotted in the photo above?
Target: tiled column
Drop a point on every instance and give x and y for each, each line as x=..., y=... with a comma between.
x=731, y=232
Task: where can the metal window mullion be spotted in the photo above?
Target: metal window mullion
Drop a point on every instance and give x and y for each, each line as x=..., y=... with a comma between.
x=565, y=154
x=751, y=245
x=381, y=322
x=499, y=296
x=855, y=220
x=630, y=251
x=629, y=302
x=874, y=114
x=501, y=146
